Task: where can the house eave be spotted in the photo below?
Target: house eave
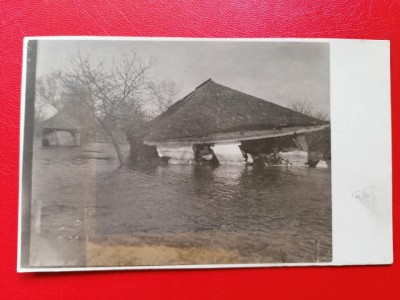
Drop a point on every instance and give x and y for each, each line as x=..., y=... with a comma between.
x=237, y=137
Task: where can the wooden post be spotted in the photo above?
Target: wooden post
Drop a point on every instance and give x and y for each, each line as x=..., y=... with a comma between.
x=300, y=142
x=43, y=137
x=78, y=143
x=74, y=135
x=55, y=135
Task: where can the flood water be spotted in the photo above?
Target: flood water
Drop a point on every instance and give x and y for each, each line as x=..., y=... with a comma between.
x=269, y=214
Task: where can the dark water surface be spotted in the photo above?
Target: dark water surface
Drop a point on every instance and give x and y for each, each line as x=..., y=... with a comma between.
x=283, y=213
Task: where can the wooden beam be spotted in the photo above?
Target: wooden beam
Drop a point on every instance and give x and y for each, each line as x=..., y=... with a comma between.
x=55, y=135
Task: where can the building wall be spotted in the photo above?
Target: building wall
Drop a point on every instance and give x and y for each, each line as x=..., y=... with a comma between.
x=59, y=138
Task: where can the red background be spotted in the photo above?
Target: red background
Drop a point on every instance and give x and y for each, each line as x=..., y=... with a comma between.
x=362, y=19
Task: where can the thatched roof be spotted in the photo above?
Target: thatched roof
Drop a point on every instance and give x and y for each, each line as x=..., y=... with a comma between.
x=213, y=108
x=61, y=120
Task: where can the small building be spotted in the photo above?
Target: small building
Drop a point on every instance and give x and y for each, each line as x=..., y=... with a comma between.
x=61, y=130
x=215, y=122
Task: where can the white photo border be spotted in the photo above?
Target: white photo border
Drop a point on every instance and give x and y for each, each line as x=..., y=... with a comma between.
x=361, y=152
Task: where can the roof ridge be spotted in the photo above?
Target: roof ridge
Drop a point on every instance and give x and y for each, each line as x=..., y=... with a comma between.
x=204, y=83
x=178, y=104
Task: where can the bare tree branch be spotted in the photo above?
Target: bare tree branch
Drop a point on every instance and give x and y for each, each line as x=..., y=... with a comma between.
x=163, y=94
x=302, y=106
x=114, y=94
x=306, y=108
x=48, y=91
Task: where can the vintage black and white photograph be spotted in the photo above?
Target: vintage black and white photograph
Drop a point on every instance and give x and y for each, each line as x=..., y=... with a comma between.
x=176, y=152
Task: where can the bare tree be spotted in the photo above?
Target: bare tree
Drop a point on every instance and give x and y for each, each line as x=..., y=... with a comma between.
x=163, y=95
x=302, y=106
x=114, y=94
x=48, y=91
x=306, y=108
x=321, y=115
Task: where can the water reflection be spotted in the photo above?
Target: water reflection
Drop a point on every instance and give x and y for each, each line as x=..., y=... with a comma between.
x=276, y=214
x=288, y=206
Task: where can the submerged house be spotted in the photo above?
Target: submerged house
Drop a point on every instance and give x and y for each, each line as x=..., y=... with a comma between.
x=61, y=130
x=217, y=123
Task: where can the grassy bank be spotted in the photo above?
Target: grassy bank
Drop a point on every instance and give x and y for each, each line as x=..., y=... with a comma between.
x=156, y=255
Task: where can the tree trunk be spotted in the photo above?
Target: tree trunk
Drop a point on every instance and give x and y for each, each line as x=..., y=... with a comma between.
x=113, y=140
x=117, y=148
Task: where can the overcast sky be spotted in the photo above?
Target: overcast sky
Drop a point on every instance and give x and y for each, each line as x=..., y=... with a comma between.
x=280, y=72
